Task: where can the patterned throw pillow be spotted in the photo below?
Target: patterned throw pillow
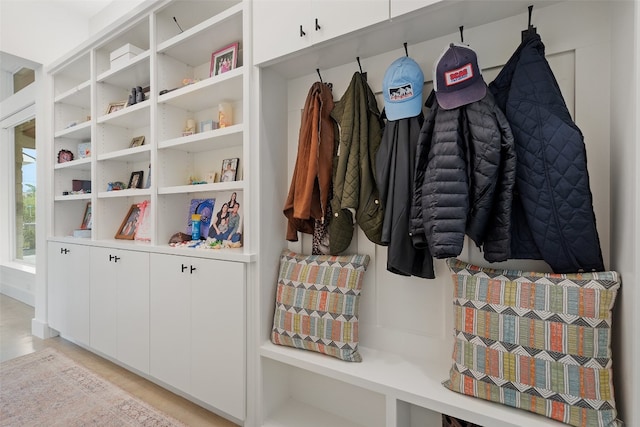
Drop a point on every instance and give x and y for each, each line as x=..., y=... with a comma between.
x=317, y=303
x=535, y=341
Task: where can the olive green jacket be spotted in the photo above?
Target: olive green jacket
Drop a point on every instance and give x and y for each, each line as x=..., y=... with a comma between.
x=354, y=184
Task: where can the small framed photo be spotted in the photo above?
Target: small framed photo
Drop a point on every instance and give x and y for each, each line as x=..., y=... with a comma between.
x=137, y=141
x=127, y=230
x=205, y=126
x=229, y=170
x=86, y=219
x=136, y=179
x=224, y=59
x=115, y=106
x=65, y=156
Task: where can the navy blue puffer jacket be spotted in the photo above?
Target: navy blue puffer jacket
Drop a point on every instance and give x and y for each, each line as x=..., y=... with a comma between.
x=553, y=215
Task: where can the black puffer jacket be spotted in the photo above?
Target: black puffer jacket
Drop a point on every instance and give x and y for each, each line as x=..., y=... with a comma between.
x=464, y=180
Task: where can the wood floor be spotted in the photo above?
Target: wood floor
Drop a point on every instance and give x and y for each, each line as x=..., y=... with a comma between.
x=16, y=340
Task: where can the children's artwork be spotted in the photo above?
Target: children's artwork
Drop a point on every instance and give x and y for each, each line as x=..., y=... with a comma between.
x=143, y=231
x=204, y=207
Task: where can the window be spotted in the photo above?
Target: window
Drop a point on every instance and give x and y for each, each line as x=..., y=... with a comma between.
x=25, y=191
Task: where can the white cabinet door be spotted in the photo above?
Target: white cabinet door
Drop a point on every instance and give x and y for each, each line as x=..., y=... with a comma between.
x=277, y=26
x=284, y=26
x=198, y=329
x=170, y=320
x=120, y=305
x=103, y=302
x=338, y=17
x=402, y=7
x=68, y=291
x=132, y=312
x=218, y=335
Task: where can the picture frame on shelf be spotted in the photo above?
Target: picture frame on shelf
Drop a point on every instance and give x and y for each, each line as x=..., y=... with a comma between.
x=84, y=150
x=136, y=179
x=223, y=60
x=127, y=230
x=137, y=141
x=115, y=106
x=65, y=156
x=229, y=170
x=205, y=126
x=86, y=218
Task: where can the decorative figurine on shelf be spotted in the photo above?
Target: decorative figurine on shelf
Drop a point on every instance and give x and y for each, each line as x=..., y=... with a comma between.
x=189, y=128
x=117, y=185
x=225, y=115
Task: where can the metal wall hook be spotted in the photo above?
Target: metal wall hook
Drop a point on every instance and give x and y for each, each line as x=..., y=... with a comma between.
x=406, y=51
x=359, y=66
x=302, y=33
x=318, y=71
x=461, y=33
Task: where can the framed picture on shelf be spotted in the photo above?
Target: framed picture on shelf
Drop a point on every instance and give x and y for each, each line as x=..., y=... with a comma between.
x=127, y=230
x=115, y=106
x=65, y=156
x=136, y=179
x=137, y=141
x=229, y=170
x=205, y=126
x=224, y=59
x=86, y=218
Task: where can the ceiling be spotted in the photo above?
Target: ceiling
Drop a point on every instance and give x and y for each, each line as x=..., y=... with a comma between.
x=84, y=8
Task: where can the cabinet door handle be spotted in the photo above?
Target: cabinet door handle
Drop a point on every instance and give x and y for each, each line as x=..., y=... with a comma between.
x=317, y=25
x=302, y=33
x=184, y=267
x=192, y=269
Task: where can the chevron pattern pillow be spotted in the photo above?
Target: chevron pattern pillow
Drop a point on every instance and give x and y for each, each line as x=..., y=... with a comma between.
x=535, y=341
x=317, y=303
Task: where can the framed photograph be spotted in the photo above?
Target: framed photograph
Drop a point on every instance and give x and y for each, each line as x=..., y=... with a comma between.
x=115, y=106
x=224, y=60
x=229, y=170
x=65, y=156
x=206, y=125
x=136, y=179
x=127, y=230
x=137, y=141
x=86, y=219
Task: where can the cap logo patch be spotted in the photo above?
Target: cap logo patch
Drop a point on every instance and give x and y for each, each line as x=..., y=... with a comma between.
x=458, y=75
x=400, y=93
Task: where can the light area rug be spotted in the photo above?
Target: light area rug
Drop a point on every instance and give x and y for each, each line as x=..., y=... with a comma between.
x=46, y=388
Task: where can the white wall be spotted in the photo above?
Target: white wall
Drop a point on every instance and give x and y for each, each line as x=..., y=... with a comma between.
x=40, y=31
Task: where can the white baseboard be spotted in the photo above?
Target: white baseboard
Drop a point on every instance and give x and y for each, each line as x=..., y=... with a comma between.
x=19, y=294
x=42, y=330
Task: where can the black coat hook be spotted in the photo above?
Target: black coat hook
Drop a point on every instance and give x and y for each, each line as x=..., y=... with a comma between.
x=318, y=71
x=406, y=51
x=531, y=30
x=359, y=66
x=461, y=33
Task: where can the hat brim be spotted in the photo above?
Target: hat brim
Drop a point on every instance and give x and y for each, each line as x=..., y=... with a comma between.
x=458, y=98
x=405, y=109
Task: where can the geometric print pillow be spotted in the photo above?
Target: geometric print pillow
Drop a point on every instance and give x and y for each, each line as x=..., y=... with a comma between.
x=535, y=341
x=317, y=302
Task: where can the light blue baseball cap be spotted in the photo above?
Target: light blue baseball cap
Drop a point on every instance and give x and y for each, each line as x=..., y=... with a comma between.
x=402, y=89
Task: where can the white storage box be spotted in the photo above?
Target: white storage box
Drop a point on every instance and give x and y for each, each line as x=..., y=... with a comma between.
x=124, y=54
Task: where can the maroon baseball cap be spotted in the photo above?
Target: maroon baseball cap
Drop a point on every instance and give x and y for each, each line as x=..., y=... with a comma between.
x=457, y=77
